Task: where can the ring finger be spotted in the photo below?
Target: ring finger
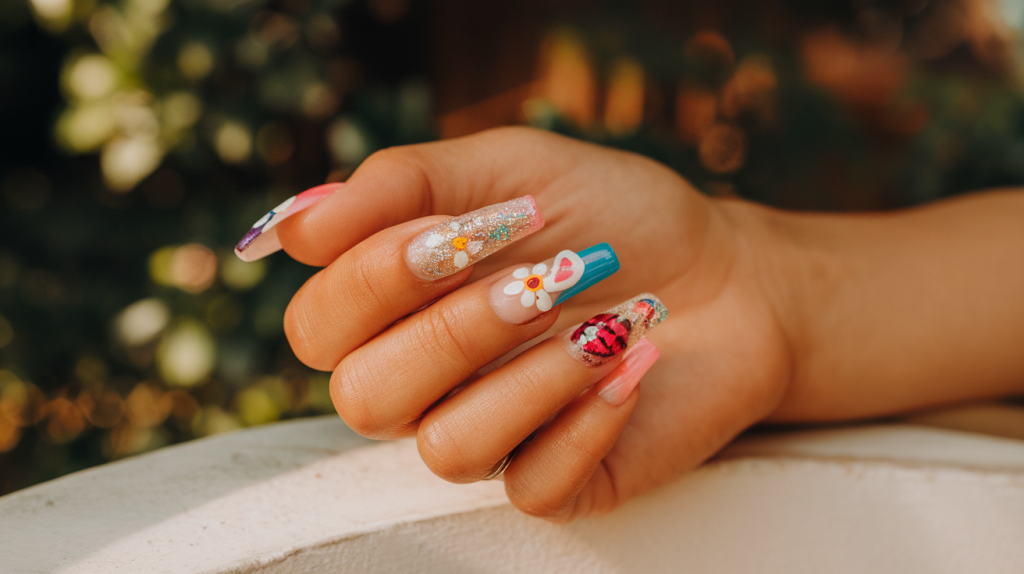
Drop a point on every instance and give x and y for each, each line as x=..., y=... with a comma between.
x=464, y=438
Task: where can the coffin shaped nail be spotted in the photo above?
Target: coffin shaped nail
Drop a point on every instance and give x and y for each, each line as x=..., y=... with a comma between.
x=604, y=336
x=534, y=289
x=617, y=385
x=261, y=240
x=457, y=243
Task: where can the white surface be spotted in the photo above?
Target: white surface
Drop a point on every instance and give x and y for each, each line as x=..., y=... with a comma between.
x=308, y=496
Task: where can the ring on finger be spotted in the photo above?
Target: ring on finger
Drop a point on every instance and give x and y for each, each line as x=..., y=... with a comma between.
x=500, y=469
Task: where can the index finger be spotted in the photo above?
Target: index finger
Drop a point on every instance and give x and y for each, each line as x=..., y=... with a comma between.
x=404, y=183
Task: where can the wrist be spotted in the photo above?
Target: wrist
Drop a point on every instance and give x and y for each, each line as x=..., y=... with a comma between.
x=789, y=266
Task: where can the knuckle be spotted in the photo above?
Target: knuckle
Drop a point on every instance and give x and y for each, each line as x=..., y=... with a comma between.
x=365, y=287
x=447, y=325
x=530, y=382
x=576, y=441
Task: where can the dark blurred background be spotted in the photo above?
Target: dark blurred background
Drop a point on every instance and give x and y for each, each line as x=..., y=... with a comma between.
x=139, y=139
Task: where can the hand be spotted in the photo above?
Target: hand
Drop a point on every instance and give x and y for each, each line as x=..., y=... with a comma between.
x=724, y=360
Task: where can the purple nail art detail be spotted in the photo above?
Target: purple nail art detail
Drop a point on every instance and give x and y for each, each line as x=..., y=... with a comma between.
x=259, y=242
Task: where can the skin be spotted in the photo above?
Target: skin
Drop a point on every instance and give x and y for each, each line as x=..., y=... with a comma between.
x=773, y=316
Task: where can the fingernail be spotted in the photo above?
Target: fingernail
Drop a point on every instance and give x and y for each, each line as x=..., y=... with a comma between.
x=457, y=243
x=531, y=290
x=617, y=385
x=609, y=334
x=261, y=240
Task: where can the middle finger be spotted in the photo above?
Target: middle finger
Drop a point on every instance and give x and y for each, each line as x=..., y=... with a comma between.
x=441, y=346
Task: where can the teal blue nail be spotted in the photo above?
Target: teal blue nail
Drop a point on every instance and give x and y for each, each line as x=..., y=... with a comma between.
x=600, y=262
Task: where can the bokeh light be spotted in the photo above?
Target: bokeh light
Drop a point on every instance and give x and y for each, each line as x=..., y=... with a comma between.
x=567, y=78
x=239, y=275
x=214, y=420
x=624, y=108
x=233, y=142
x=126, y=161
x=53, y=14
x=186, y=354
x=195, y=60
x=723, y=148
x=141, y=322
x=90, y=77
x=348, y=142
x=191, y=267
x=86, y=127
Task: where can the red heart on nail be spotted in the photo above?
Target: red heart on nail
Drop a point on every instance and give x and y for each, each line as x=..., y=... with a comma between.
x=564, y=270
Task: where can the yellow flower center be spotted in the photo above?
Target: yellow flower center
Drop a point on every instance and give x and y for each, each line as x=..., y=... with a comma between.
x=460, y=242
x=534, y=282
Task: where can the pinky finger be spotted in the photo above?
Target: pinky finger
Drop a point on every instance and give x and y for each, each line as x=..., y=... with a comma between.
x=548, y=473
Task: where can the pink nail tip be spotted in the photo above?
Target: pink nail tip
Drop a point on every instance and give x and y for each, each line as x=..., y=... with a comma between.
x=449, y=247
x=616, y=387
x=250, y=248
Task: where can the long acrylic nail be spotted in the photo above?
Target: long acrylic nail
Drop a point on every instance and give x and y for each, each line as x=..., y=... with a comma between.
x=531, y=290
x=617, y=385
x=457, y=243
x=261, y=240
x=607, y=335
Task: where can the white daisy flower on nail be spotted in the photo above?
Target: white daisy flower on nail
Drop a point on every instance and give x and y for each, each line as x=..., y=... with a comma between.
x=531, y=284
x=534, y=288
x=464, y=245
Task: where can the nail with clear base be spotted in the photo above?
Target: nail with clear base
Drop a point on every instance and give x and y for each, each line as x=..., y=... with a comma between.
x=261, y=240
x=450, y=247
x=609, y=334
x=531, y=290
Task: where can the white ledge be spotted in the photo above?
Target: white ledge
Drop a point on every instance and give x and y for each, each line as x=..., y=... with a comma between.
x=309, y=496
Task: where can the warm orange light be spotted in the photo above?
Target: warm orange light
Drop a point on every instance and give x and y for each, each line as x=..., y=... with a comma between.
x=147, y=405
x=859, y=75
x=710, y=50
x=193, y=267
x=65, y=420
x=750, y=92
x=567, y=78
x=624, y=108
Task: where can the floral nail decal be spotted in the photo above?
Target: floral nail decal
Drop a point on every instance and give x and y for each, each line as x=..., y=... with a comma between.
x=259, y=241
x=464, y=247
x=536, y=288
x=450, y=246
x=530, y=291
x=610, y=333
